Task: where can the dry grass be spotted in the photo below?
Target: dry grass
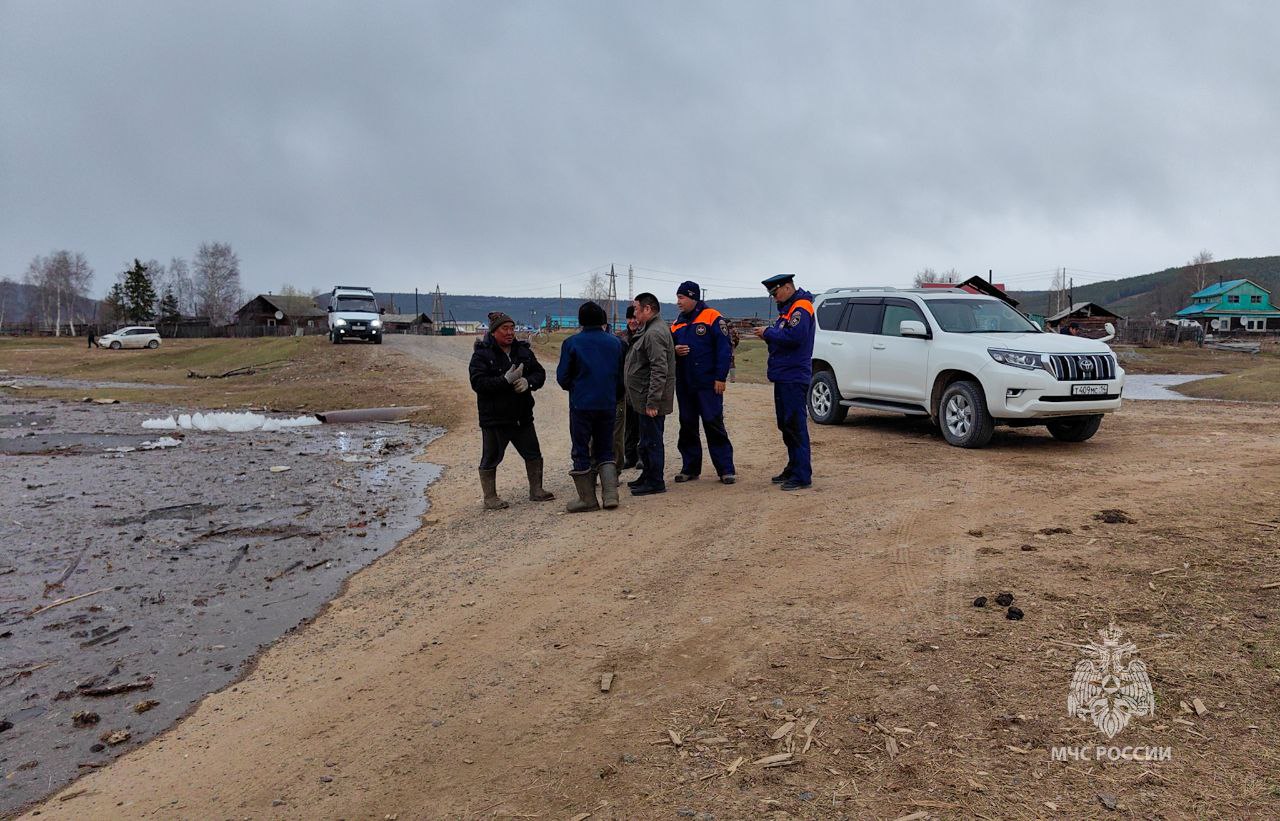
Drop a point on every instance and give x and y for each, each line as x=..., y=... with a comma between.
x=1187, y=359
x=1257, y=384
x=305, y=373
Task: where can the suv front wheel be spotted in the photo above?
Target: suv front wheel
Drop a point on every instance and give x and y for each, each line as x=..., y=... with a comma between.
x=1074, y=429
x=824, y=400
x=963, y=416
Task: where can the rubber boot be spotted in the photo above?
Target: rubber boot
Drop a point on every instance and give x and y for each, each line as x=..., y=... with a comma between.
x=608, y=485
x=489, y=484
x=585, y=482
x=537, y=493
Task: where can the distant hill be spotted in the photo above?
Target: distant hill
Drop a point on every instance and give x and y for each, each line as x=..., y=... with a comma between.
x=533, y=310
x=1163, y=292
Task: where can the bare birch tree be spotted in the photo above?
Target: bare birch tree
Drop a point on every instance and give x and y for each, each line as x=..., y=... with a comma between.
x=597, y=289
x=61, y=282
x=216, y=276
x=925, y=275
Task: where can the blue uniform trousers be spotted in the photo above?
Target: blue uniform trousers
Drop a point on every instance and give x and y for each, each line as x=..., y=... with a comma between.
x=790, y=404
x=590, y=437
x=706, y=406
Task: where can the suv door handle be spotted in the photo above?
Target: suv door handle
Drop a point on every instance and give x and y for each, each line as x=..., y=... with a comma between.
x=879, y=346
x=837, y=344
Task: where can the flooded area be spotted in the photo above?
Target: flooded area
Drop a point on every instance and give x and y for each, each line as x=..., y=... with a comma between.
x=1157, y=385
x=141, y=570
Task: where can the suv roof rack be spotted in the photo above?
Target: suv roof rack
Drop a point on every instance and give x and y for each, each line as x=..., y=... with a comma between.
x=855, y=289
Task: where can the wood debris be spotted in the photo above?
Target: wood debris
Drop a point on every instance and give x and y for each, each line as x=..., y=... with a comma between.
x=606, y=681
x=776, y=758
x=61, y=602
x=783, y=731
x=1198, y=706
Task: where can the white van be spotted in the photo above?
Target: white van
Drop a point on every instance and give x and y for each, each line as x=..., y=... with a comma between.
x=354, y=314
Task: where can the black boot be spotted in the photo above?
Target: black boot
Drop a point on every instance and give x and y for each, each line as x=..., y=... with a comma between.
x=537, y=493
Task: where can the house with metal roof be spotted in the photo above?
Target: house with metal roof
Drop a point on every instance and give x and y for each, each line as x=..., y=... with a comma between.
x=1089, y=317
x=268, y=314
x=1235, y=305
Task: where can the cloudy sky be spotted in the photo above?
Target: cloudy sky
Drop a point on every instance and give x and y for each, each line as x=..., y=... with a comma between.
x=508, y=147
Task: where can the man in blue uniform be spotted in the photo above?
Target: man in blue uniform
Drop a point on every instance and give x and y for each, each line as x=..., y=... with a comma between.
x=790, y=341
x=703, y=356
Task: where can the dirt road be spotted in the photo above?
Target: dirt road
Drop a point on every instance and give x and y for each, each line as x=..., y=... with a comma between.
x=459, y=676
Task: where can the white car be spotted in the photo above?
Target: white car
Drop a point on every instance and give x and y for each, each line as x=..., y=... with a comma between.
x=967, y=361
x=135, y=336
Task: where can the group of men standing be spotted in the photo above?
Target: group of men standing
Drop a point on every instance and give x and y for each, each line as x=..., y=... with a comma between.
x=622, y=387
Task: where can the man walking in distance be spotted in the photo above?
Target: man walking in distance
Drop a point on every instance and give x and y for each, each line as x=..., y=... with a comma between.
x=591, y=371
x=504, y=375
x=651, y=388
x=626, y=426
x=790, y=341
x=703, y=357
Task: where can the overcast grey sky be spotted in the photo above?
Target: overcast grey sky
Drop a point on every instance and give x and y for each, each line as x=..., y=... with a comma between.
x=505, y=147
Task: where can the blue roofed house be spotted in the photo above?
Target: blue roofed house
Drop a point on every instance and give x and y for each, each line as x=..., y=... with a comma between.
x=1237, y=305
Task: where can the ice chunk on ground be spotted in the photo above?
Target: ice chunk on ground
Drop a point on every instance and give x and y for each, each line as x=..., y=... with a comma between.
x=230, y=422
x=160, y=424
x=162, y=442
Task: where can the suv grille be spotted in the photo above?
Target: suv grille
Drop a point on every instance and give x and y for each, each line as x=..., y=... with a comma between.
x=1076, y=367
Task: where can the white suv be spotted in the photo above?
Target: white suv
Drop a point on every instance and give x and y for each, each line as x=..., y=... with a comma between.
x=965, y=360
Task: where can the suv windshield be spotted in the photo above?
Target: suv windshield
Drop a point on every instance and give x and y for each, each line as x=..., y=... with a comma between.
x=979, y=316
x=356, y=303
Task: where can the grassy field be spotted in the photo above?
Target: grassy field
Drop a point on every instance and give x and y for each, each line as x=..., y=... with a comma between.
x=291, y=373
x=1257, y=384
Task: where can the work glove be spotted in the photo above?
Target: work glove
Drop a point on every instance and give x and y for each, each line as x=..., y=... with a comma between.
x=515, y=373
x=521, y=385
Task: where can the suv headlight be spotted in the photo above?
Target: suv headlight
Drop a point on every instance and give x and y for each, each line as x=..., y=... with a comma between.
x=339, y=322
x=377, y=323
x=1019, y=359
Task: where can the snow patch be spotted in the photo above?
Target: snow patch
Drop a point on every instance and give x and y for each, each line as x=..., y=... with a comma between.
x=230, y=422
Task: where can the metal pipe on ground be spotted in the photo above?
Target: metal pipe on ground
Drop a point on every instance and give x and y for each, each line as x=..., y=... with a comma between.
x=369, y=414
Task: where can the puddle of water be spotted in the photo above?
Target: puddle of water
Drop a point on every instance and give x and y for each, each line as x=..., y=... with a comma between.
x=195, y=557
x=1156, y=386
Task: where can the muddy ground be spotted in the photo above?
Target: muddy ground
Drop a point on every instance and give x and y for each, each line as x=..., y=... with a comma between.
x=188, y=559
x=832, y=629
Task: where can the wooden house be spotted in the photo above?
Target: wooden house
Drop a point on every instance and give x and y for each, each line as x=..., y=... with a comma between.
x=1238, y=305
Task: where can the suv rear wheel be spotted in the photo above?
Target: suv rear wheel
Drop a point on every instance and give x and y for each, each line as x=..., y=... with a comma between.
x=1075, y=429
x=824, y=400
x=963, y=416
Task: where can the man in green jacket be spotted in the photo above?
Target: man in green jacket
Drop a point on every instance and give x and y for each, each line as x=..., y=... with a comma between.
x=651, y=389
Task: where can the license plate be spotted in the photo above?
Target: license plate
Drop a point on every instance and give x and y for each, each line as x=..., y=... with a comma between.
x=1088, y=390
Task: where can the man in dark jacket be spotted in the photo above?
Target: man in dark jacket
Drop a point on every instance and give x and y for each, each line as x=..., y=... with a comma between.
x=790, y=341
x=591, y=371
x=703, y=357
x=651, y=389
x=504, y=375
x=626, y=425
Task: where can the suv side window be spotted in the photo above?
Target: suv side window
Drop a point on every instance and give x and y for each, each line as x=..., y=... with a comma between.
x=863, y=316
x=895, y=311
x=829, y=313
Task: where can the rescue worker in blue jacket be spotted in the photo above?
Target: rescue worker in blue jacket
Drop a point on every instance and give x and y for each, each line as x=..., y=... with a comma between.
x=703, y=357
x=790, y=342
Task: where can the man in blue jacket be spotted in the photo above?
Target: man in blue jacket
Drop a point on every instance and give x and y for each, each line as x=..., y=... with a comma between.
x=591, y=371
x=790, y=342
x=703, y=356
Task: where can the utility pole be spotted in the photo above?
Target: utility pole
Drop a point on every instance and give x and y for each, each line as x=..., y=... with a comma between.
x=561, y=311
x=631, y=282
x=613, y=297
x=415, y=301
x=437, y=310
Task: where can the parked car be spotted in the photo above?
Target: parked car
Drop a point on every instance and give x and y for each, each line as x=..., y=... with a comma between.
x=967, y=361
x=135, y=336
